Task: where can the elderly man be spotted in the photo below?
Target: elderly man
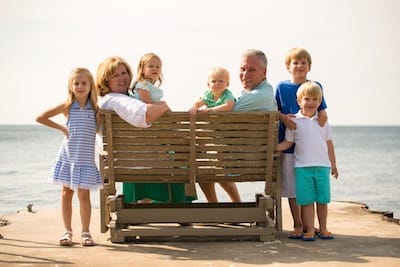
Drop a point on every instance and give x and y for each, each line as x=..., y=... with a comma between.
x=258, y=94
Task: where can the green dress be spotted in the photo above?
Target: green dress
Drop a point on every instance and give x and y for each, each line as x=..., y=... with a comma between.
x=158, y=192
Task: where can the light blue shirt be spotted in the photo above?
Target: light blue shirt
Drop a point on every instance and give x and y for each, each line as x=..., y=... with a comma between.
x=156, y=93
x=260, y=98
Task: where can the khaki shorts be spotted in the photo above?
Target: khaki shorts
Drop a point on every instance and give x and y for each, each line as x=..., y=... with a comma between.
x=288, y=178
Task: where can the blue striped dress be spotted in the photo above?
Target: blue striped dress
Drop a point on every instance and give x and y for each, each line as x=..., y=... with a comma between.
x=75, y=166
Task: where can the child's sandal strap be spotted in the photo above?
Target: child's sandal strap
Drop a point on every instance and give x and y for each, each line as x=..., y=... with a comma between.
x=86, y=239
x=66, y=239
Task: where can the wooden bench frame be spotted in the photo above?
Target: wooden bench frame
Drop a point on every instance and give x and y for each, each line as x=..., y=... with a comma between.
x=213, y=147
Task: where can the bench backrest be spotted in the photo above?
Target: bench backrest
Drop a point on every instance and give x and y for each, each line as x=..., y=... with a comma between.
x=223, y=146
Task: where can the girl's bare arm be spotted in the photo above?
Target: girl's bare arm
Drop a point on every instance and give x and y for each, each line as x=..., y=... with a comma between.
x=44, y=118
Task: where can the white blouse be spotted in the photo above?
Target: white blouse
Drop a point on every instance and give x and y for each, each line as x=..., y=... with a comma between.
x=131, y=110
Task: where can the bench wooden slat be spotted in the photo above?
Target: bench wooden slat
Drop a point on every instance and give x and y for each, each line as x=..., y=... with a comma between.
x=239, y=139
x=153, y=155
x=260, y=177
x=138, y=149
x=134, y=178
x=229, y=163
x=220, y=135
x=217, y=128
x=151, y=163
x=150, y=141
x=235, y=148
x=161, y=133
x=237, y=155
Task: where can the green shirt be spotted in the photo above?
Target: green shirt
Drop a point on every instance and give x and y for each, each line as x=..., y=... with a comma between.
x=208, y=98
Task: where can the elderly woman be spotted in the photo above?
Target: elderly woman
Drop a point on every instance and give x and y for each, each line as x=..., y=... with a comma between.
x=113, y=79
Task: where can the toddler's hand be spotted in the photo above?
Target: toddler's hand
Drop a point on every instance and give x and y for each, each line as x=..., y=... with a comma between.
x=193, y=111
x=203, y=109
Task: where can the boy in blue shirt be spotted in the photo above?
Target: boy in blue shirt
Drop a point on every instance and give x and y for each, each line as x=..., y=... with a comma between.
x=298, y=64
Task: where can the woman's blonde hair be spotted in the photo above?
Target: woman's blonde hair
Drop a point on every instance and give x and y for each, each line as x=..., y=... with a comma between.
x=92, y=94
x=104, y=72
x=309, y=88
x=297, y=53
x=140, y=67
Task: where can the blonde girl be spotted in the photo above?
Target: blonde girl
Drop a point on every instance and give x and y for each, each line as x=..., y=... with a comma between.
x=75, y=167
x=149, y=79
x=146, y=88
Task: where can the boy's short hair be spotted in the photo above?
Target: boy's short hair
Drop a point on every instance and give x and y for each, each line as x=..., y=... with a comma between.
x=309, y=88
x=297, y=53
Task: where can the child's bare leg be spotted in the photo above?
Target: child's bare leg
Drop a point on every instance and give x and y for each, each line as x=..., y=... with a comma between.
x=85, y=208
x=295, y=210
x=307, y=212
x=209, y=191
x=231, y=189
x=304, y=229
x=322, y=213
x=66, y=207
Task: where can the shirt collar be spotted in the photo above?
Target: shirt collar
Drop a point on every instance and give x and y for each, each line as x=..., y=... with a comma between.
x=261, y=84
x=300, y=115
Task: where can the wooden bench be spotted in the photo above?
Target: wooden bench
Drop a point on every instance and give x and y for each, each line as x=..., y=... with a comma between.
x=213, y=147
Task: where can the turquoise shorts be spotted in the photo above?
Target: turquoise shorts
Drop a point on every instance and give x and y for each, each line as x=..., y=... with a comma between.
x=312, y=185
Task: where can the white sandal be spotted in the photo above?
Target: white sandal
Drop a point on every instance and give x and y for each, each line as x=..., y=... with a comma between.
x=66, y=239
x=86, y=239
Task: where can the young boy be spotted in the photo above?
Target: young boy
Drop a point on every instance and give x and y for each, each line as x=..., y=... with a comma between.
x=314, y=159
x=298, y=64
x=217, y=98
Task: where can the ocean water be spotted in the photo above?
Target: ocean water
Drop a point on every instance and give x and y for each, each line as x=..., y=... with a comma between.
x=368, y=160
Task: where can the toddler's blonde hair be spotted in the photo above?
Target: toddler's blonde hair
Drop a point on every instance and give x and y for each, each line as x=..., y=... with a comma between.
x=218, y=71
x=140, y=67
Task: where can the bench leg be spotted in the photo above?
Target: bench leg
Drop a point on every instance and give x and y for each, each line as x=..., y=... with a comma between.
x=116, y=235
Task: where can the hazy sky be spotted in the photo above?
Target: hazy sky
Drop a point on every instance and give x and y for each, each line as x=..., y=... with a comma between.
x=354, y=45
